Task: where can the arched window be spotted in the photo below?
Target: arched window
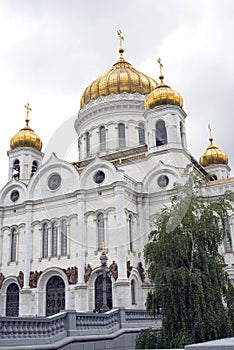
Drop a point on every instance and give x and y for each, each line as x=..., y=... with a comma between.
x=121, y=134
x=55, y=295
x=64, y=237
x=45, y=241
x=87, y=139
x=34, y=167
x=102, y=133
x=141, y=134
x=99, y=292
x=161, y=133
x=130, y=223
x=101, y=230
x=54, y=243
x=12, y=300
x=182, y=134
x=16, y=169
x=13, y=243
x=133, y=292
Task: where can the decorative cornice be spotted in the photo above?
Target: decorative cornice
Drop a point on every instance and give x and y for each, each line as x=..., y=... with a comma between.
x=125, y=96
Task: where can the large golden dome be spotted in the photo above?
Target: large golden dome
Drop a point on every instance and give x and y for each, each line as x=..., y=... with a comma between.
x=213, y=155
x=26, y=137
x=122, y=77
x=163, y=95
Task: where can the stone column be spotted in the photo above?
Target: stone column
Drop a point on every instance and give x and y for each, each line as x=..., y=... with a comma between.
x=141, y=210
x=82, y=241
x=150, y=132
x=95, y=142
x=121, y=233
x=81, y=295
x=59, y=239
x=25, y=295
x=122, y=287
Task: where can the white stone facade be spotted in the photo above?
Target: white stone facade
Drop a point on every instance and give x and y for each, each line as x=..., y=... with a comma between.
x=65, y=211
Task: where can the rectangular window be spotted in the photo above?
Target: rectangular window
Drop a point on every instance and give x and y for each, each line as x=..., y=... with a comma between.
x=121, y=130
x=45, y=241
x=102, y=131
x=13, y=245
x=63, y=238
x=54, y=240
x=101, y=230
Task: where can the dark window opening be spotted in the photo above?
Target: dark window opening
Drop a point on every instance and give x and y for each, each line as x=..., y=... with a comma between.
x=121, y=134
x=34, y=167
x=55, y=295
x=161, y=133
x=133, y=292
x=99, y=292
x=130, y=223
x=12, y=300
x=141, y=133
x=87, y=143
x=16, y=169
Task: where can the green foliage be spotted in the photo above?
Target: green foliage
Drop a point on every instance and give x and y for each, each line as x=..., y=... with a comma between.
x=186, y=268
x=148, y=339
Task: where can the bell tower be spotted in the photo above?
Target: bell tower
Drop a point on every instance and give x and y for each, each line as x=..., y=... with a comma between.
x=165, y=121
x=25, y=154
x=215, y=161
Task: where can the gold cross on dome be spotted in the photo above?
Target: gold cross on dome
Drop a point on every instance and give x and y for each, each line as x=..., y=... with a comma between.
x=103, y=247
x=28, y=108
x=121, y=38
x=209, y=127
x=160, y=65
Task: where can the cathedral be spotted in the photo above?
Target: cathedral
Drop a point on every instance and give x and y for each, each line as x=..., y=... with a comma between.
x=69, y=228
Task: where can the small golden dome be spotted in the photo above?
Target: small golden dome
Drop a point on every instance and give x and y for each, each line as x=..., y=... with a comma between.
x=213, y=155
x=26, y=137
x=163, y=95
x=122, y=77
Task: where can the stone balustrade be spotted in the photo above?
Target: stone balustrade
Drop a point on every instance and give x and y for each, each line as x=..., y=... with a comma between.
x=16, y=331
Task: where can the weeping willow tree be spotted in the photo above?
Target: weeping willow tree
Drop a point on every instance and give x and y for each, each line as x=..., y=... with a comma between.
x=192, y=290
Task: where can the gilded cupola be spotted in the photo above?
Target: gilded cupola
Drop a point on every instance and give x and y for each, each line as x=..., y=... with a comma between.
x=122, y=77
x=213, y=155
x=26, y=137
x=163, y=94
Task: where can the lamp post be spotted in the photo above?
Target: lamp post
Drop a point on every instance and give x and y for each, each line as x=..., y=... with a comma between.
x=103, y=259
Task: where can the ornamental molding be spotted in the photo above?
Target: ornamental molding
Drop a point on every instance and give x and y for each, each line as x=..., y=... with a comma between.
x=104, y=104
x=125, y=96
x=164, y=110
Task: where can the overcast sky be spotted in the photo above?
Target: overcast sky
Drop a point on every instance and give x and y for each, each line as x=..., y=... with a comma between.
x=50, y=50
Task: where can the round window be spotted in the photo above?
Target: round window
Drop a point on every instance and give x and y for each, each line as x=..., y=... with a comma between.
x=163, y=180
x=99, y=177
x=54, y=181
x=14, y=195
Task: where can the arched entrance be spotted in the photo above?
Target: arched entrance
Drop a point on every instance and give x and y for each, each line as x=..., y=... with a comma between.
x=12, y=300
x=55, y=295
x=99, y=292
